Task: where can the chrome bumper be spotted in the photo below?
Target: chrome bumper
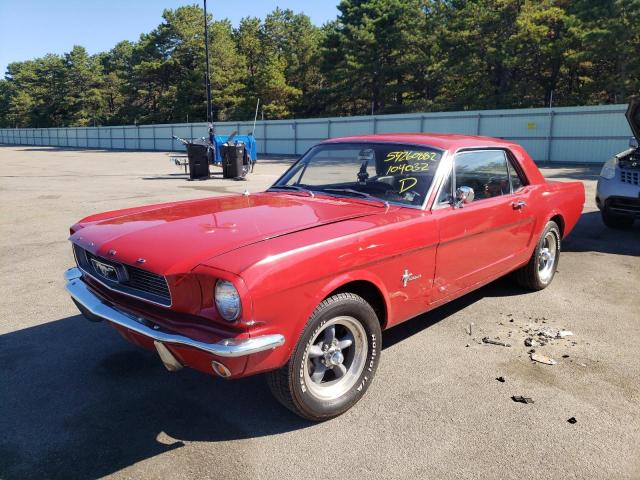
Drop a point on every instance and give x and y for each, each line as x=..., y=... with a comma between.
x=97, y=307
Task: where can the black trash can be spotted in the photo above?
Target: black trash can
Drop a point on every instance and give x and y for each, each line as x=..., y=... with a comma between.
x=232, y=159
x=198, y=161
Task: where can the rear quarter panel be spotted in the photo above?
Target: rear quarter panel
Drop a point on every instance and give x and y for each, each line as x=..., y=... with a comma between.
x=565, y=199
x=549, y=198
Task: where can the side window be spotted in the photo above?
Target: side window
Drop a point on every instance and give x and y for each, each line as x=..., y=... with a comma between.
x=485, y=171
x=514, y=176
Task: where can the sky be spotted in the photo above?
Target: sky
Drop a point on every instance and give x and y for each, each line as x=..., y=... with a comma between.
x=32, y=28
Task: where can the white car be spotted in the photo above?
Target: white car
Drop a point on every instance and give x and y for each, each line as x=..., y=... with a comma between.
x=618, y=192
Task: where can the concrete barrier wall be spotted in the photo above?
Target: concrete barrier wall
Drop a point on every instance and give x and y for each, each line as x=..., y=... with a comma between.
x=561, y=135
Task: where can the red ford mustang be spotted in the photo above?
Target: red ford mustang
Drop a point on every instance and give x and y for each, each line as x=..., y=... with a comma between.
x=360, y=234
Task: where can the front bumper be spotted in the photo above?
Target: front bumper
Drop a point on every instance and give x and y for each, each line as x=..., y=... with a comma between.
x=618, y=197
x=97, y=308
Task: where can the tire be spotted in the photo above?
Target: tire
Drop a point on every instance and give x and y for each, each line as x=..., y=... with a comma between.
x=319, y=383
x=616, y=221
x=539, y=272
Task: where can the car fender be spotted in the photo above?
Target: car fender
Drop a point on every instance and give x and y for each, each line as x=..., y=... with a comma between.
x=334, y=283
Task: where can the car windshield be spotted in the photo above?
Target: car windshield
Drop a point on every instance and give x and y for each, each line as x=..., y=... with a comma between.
x=392, y=173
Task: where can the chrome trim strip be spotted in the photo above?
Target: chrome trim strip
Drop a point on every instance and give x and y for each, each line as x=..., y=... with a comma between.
x=225, y=348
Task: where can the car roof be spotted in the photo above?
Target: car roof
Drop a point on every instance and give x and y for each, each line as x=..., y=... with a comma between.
x=444, y=141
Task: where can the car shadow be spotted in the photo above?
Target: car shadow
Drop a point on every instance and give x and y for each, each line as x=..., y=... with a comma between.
x=184, y=176
x=591, y=235
x=502, y=287
x=79, y=402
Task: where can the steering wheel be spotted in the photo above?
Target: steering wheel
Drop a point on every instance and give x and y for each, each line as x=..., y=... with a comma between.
x=377, y=186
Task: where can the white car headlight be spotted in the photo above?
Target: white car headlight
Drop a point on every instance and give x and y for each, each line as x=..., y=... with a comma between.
x=227, y=300
x=609, y=168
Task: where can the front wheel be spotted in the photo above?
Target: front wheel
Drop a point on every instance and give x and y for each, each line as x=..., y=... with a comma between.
x=538, y=273
x=334, y=360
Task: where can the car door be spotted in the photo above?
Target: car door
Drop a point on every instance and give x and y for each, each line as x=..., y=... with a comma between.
x=487, y=237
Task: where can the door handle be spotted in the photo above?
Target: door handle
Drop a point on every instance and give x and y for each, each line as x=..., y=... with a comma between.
x=520, y=204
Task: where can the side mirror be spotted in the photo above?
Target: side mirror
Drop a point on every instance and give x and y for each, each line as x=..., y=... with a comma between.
x=633, y=142
x=464, y=195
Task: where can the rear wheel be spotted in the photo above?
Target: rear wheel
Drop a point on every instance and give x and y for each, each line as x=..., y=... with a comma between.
x=616, y=221
x=334, y=361
x=539, y=272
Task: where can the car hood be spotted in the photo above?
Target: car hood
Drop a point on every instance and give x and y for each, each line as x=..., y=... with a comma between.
x=633, y=116
x=174, y=238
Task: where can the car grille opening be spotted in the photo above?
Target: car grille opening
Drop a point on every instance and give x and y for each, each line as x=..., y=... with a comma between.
x=628, y=176
x=624, y=205
x=132, y=281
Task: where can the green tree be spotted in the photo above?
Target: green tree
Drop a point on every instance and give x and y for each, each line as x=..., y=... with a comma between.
x=370, y=55
x=382, y=55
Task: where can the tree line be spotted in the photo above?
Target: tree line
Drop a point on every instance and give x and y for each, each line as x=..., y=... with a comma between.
x=377, y=56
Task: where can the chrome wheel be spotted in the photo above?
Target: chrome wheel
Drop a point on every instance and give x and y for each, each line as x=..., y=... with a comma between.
x=335, y=358
x=547, y=257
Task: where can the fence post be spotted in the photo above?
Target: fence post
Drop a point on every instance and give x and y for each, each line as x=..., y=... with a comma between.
x=550, y=135
x=294, y=125
x=191, y=131
x=328, y=128
x=375, y=125
x=153, y=132
x=264, y=134
x=478, y=124
x=421, y=123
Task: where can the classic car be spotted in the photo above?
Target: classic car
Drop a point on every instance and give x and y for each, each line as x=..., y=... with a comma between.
x=618, y=189
x=298, y=282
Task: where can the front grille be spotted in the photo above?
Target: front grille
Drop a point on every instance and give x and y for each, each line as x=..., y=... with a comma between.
x=132, y=281
x=624, y=205
x=147, y=281
x=628, y=176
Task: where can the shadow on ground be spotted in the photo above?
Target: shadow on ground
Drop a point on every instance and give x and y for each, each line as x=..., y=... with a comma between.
x=591, y=235
x=79, y=402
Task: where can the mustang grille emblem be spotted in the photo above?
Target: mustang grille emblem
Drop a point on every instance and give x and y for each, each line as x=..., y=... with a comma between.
x=104, y=270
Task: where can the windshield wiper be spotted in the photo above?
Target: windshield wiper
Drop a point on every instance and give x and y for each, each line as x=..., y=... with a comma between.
x=351, y=191
x=291, y=187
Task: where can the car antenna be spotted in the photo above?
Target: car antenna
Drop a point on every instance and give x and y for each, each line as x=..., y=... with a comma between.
x=207, y=79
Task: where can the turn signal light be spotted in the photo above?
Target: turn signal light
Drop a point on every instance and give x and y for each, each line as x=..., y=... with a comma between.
x=220, y=369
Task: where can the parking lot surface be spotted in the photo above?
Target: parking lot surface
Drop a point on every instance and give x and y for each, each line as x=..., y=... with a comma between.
x=77, y=401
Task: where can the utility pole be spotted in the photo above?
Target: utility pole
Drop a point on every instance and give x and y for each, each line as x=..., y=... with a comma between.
x=208, y=75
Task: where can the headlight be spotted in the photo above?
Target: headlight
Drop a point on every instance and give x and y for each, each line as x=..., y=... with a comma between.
x=227, y=300
x=609, y=168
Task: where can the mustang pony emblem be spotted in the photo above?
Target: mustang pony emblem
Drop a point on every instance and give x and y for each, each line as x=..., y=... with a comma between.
x=407, y=276
x=104, y=270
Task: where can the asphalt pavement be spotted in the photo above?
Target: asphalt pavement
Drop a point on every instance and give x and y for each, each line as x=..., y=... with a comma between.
x=77, y=401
